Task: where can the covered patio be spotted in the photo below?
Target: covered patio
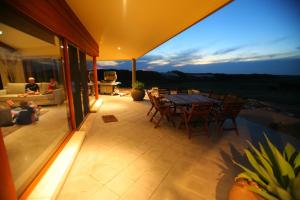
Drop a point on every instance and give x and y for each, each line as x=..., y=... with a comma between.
x=130, y=159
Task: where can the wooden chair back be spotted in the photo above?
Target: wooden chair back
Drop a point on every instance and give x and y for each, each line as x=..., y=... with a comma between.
x=162, y=91
x=216, y=96
x=200, y=110
x=230, y=98
x=157, y=102
x=232, y=109
x=182, y=91
x=150, y=96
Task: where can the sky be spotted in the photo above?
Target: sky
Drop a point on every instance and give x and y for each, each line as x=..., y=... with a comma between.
x=246, y=36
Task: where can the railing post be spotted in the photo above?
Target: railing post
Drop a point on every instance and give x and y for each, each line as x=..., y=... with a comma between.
x=133, y=72
x=95, y=78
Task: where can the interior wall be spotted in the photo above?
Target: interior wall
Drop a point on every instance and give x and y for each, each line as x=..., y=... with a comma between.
x=11, y=68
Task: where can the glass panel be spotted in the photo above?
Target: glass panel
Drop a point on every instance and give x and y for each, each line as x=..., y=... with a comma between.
x=33, y=101
x=84, y=83
x=89, y=64
x=76, y=84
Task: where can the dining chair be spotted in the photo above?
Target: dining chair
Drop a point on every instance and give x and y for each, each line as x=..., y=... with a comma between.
x=163, y=109
x=214, y=95
x=199, y=112
x=151, y=101
x=162, y=91
x=230, y=98
x=230, y=111
x=182, y=91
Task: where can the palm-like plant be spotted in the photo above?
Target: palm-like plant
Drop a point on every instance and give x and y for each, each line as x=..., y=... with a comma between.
x=276, y=174
x=139, y=85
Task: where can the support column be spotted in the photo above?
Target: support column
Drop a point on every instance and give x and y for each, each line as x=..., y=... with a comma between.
x=7, y=189
x=95, y=78
x=69, y=84
x=133, y=72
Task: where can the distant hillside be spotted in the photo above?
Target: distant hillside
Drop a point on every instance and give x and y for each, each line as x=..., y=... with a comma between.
x=273, y=88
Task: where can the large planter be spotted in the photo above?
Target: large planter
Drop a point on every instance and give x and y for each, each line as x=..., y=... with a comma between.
x=138, y=94
x=239, y=191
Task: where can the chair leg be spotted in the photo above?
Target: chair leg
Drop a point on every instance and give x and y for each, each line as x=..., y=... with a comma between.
x=187, y=127
x=206, y=128
x=150, y=110
x=220, y=127
x=159, y=120
x=171, y=119
x=235, y=127
x=153, y=115
x=180, y=123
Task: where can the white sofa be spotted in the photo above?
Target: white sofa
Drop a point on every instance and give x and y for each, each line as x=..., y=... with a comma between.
x=12, y=91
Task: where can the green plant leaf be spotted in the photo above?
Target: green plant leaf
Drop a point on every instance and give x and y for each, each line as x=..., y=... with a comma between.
x=264, y=153
x=283, y=194
x=296, y=187
x=138, y=85
x=243, y=175
x=284, y=167
x=289, y=153
x=252, y=174
x=297, y=161
x=259, y=169
x=265, y=163
x=262, y=193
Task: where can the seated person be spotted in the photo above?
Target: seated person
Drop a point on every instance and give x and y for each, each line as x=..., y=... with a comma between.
x=29, y=106
x=32, y=88
x=52, y=86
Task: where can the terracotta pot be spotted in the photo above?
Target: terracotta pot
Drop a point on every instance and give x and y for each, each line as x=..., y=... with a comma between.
x=137, y=94
x=239, y=191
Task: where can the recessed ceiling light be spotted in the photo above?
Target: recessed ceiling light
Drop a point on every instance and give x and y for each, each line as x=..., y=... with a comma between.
x=119, y=48
x=1, y=32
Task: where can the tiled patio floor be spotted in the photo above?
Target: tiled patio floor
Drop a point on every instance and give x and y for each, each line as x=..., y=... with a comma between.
x=129, y=159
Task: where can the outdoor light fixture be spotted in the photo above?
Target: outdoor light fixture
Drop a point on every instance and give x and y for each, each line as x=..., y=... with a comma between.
x=61, y=46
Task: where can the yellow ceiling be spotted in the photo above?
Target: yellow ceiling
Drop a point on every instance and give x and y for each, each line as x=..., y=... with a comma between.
x=27, y=45
x=126, y=29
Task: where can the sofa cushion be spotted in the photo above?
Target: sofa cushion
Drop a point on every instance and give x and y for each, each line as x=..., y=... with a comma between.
x=15, y=88
x=40, y=97
x=19, y=88
x=43, y=86
x=17, y=98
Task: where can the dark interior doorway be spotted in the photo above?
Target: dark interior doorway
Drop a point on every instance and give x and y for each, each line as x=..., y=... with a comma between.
x=76, y=84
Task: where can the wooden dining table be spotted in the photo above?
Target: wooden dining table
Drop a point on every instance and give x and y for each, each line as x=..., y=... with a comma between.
x=185, y=100
x=188, y=99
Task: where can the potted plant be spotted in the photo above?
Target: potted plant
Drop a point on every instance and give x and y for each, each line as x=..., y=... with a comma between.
x=138, y=92
x=274, y=174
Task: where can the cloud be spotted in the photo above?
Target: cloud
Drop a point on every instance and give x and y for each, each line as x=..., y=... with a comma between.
x=159, y=62
x=278, y=40
x=228, y=50
x=213, y=59
x=148, y=68
x=196, y=59
x=107, y=63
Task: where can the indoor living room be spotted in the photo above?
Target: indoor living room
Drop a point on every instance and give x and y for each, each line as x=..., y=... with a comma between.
x=34, y=112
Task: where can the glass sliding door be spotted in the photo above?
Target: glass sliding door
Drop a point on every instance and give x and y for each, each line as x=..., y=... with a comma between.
x=33, y=103
x=76, y=84
x=84, y=82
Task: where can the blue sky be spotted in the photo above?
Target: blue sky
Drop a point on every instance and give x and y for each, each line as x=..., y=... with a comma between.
x=246, y=36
